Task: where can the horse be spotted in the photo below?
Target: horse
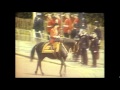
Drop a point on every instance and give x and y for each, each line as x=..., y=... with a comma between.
x=61, y=55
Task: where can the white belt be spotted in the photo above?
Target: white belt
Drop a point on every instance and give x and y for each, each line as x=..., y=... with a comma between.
x=49, y=26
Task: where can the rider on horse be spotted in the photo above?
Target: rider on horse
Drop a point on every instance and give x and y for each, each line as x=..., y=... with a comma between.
x=54, y=36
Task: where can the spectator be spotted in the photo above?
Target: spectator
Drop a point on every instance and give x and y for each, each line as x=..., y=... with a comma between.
x=38, y=25
x=83, y=23
x=98, y=33
x=94, y=48
x=84, y=45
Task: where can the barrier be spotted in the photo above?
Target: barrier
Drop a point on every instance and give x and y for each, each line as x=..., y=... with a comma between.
x=28, y=35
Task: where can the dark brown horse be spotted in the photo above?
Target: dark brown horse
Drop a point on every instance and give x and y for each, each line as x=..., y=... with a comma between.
x=61, y=55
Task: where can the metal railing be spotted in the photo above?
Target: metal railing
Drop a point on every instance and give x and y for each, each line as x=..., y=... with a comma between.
x=28, y=35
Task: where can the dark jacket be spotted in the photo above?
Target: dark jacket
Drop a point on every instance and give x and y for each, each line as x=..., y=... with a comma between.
x=74, y=33
x=98, y=32
x=83, y=22
x=94, y=44
x=38, y=24
x=84, y=41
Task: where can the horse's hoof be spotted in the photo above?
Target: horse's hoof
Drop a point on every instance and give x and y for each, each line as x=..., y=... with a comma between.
x=42, y=74
x=31, y=60
x=35, y=72
x=64, y=74
x=60, y=75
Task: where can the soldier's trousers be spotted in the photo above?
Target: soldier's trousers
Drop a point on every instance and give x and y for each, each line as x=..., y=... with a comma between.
x=98, y=55
x=94, y=57
x=38, y=34
x=84, y=56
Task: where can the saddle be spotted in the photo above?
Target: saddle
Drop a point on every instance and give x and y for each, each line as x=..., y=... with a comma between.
x=47, y=48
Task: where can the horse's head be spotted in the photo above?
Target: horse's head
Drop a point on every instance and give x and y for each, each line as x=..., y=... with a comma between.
x=70, y=44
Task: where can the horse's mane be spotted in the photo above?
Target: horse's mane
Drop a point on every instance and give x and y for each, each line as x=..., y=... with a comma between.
x=68, y=41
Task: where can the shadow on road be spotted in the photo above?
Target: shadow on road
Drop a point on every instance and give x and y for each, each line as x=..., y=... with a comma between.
x=55, y=76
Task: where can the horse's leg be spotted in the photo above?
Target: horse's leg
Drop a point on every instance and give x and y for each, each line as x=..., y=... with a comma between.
x=41, y=69
x=37, y=66
x=41, y=58
x=64, y=66
x=62, y=59
x=62, y=63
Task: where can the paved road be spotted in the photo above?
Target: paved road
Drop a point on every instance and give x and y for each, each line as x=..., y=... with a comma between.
x=24, y=48
x=25, y=69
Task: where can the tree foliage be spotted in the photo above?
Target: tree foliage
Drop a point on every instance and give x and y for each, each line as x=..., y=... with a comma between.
x=91, y=17
x=23, y=14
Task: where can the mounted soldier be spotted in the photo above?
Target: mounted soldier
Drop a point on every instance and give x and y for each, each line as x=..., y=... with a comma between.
x=59, y=50
x=55, y=40
x=58, y=21
x=50, y=22
x=54, y=36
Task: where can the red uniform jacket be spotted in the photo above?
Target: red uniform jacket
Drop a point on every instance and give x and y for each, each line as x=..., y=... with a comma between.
x=58, y=20
x=76, y=21
x=72, y=19
x=50, y=24
x=67, y=25
x=53, y=32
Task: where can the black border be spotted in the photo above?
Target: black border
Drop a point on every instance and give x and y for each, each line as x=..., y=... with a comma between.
x=111, y=56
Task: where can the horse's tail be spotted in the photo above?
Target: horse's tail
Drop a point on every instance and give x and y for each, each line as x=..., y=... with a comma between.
x=32, y=53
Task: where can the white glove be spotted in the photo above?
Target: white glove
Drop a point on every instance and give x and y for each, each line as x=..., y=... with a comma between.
x=58, y=36
x=95, y=51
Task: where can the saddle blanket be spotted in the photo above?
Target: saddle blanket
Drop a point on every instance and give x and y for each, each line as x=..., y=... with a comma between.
x=47, y=48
